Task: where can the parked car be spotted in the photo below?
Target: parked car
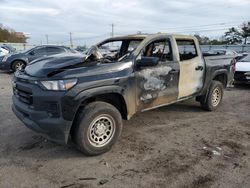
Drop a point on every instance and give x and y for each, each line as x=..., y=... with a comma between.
x=9, y=48
x=85, y=97
x=12, y=62
x=3, y=51
x=242, y=70
x=222, y=52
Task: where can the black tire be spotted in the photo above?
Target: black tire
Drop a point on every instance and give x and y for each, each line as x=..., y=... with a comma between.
x=211, y=102
x=94, y=124
x=18, y=65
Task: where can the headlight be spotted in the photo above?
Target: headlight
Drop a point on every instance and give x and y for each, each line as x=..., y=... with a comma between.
x=59, y=85
x=247, y=73
x=6, y=57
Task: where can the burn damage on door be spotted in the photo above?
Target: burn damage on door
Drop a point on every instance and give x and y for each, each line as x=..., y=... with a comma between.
x=153, y=81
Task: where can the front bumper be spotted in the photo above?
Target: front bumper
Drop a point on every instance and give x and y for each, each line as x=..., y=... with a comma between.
x=55, y=129
x=40, y=111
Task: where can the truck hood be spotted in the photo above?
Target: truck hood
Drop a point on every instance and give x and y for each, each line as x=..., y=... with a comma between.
x=52, y=65
x=72, y=65
x=243, y=66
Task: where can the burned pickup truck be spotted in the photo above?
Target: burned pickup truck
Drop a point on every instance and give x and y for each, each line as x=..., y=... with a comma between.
x=85, y=97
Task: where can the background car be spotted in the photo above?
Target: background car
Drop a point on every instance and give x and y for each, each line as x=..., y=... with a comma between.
x=3, y=51
x=9, y=48
x=20, y=60
x=236, y=55
x=222, y=52
x=242, y=70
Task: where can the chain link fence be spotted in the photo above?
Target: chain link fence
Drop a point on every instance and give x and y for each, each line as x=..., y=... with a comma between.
x=238, y=48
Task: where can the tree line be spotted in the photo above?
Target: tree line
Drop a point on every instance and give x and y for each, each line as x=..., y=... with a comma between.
x=10, y=35
x=234, y=35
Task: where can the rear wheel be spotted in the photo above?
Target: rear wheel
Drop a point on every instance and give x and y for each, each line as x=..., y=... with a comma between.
x=97, y=128
x=18, y=65
x=214, y=96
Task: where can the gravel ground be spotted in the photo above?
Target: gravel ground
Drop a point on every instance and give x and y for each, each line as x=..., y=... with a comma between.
x=175, y=146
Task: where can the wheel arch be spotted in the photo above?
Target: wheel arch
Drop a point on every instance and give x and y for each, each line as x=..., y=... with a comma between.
x=110, y=94
x=221, y=76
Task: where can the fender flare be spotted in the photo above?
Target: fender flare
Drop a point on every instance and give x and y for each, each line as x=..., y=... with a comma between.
x=218, y=72
x=71, y=107
x=221, y=71
x=83, y=95
x=213, y=75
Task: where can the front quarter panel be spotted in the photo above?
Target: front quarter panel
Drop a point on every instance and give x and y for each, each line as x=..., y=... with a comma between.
x=119, y=82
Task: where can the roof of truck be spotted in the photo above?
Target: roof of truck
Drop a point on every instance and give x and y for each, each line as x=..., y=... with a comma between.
x=143, y=36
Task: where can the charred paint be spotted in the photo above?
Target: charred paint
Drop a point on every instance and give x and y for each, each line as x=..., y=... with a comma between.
x=153, y=81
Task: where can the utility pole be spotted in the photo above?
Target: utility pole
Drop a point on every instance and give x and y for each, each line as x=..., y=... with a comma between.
x=112, y=29
x=71, y=41
x=47, y=38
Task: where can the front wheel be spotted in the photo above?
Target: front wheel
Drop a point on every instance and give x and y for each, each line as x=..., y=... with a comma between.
x=97, y=128
x=214, y=96
x=18, y=65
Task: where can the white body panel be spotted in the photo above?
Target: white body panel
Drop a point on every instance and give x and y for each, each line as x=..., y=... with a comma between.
x=242, y=66
x=190, y=80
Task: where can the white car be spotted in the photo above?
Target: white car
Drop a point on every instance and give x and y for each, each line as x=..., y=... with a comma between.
x=3, y=52
x=242, y=70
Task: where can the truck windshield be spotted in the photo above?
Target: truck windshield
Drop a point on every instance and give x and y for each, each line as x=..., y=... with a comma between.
x=114, y=50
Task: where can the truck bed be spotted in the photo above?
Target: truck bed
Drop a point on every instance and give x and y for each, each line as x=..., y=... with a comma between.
x=218, y=62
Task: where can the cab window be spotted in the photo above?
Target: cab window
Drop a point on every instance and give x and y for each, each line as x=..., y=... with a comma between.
x=187, y=49
x=160, y=49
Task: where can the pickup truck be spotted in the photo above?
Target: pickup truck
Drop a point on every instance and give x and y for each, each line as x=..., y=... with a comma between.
x=84, y=98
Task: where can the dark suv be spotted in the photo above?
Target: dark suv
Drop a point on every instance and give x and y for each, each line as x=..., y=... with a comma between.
x=12, y=62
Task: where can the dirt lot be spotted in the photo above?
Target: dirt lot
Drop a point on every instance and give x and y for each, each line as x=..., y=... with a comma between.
x=175, y=146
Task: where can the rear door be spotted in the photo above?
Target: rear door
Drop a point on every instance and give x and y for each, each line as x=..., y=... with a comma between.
x=157, y=85
x=192, y=67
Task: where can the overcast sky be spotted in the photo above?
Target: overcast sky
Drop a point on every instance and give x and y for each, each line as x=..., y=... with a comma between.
x=89, y=20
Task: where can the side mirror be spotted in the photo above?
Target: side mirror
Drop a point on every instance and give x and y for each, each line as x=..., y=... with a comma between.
x=32, y=53
x=147, y=61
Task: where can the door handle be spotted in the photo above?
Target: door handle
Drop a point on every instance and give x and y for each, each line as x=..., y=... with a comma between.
x=199, y=68
x=173, y=71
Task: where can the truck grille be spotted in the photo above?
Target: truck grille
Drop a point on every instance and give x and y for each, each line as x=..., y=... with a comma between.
x=24, y=96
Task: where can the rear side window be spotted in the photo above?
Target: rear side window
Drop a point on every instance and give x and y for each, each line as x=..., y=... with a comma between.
x=40, y=51
x=187, y=49
x=54, y=50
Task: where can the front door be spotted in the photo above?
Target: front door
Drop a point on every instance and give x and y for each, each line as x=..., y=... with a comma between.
x=157, y=85
x=37, y=53
x=192, y=67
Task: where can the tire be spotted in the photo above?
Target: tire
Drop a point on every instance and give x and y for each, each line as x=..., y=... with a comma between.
x=214, y=96
x=18, y=65
x=97, y=127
